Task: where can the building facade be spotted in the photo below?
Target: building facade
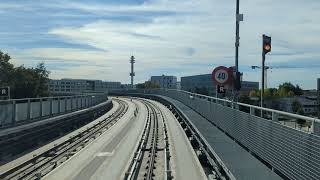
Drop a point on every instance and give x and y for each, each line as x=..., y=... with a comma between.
x=168, y=82
x=179, y=85
x=204, y=81
x=309, y=104
x=78, y=86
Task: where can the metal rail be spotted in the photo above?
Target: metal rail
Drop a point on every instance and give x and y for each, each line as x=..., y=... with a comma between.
x=150, y=137
x=45, y=162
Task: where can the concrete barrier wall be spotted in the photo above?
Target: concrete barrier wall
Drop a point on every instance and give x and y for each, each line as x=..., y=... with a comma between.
x=17, y=111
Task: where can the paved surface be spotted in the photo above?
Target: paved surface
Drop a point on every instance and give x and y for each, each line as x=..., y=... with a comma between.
x=241, y=163
x=184, y=162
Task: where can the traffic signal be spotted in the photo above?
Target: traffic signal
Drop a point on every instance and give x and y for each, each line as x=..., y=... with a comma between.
x=266, y=44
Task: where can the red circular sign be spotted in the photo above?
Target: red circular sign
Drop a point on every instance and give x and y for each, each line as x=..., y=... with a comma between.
x=221, y=75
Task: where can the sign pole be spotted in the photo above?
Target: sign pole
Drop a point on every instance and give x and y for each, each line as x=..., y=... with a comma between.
x=262, y=81
x=9, y=93
x=217, y=91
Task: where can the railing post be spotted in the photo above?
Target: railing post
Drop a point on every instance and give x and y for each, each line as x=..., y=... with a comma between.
x=275, y=116
x=71, y=104
x=14, y=112
x=315, y=127
x=65, y=104
x=58, y=105
x=77, y=102
x=50, y=110
x=40, y=107
x=28, y=109
x=252, y=110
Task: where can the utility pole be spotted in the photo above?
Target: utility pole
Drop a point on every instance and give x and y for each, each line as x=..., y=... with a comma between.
x=132, y=74
x=239, y=18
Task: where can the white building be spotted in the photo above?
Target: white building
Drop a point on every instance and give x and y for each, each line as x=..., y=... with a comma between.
x=169, y=82
x=77, y=86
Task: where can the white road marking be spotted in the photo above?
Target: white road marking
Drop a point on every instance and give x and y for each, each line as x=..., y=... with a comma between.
x=101, y=154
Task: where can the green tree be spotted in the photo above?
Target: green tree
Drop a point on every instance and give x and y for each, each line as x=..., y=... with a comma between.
x=254, y=93
x=296, y=106
x=288, y=89
x=42, y=76
x=140, y=86
x=24, y=82
x=148, y=85
x=6, y=69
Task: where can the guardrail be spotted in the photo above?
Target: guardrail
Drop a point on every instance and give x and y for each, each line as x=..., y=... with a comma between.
x=19, y=111
x=291, y=152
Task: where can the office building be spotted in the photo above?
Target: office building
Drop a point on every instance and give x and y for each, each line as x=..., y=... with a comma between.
x=78, y=86
x=309, y=104
x=169, y=82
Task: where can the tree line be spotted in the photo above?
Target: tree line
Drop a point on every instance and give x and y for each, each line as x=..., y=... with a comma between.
x=24, y=82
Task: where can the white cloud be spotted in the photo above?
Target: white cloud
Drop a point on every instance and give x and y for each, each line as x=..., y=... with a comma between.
x=206, y=26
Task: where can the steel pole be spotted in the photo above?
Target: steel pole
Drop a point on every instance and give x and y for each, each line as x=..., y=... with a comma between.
x=237, y=37
x=262, y=81
x=237, y=44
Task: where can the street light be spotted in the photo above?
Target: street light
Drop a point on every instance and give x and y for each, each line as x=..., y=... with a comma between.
x=265, y=73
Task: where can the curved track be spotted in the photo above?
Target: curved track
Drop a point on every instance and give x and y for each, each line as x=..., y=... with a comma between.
x=151, y=160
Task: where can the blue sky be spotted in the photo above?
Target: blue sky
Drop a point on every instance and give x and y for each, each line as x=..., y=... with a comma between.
x=95, y=39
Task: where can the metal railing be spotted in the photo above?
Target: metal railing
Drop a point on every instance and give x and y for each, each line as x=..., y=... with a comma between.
x=19, y=111
x=280, y=117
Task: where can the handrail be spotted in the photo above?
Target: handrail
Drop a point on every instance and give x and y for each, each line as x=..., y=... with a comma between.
x=253, y=106
x=235, y=103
